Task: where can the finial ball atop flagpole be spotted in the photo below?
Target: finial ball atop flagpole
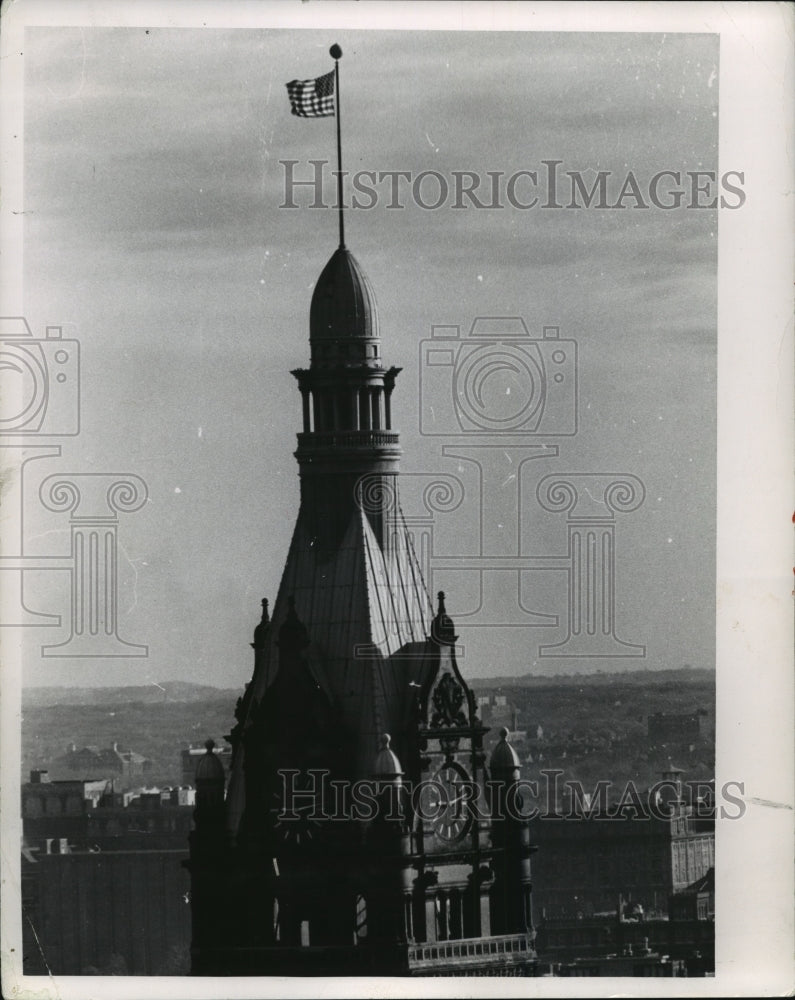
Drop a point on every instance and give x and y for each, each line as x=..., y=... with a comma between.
x=335, y=52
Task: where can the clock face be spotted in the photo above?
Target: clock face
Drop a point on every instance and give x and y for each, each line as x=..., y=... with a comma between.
x=295, y=825
x=452, y=791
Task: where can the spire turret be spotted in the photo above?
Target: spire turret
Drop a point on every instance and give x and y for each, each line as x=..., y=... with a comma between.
x=262, y=629
x=443, y=629
x=347, y=406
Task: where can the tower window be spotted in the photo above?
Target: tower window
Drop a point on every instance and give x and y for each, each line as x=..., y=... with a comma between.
x=361, y=918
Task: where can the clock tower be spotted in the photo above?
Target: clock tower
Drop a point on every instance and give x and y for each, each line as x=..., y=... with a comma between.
x=361, y=830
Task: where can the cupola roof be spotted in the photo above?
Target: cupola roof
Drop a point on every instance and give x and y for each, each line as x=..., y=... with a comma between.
x=343, y=303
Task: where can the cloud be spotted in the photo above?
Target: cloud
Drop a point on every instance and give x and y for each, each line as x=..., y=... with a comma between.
x=152, y=179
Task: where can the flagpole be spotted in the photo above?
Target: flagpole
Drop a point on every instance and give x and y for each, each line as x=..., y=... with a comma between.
x=336, y=54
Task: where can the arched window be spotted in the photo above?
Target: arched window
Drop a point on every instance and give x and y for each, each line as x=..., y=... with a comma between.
x=361, y=919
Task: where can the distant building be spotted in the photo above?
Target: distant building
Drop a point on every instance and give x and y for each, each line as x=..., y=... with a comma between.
x=93, y=856
x=115, y=913
x=586, y=862
x=681, y=942
x=696, y=901
x=643, y=964
x=692, y=925
x=126, y=766
x=64, y=816
x=496, y=711
x=54, y=813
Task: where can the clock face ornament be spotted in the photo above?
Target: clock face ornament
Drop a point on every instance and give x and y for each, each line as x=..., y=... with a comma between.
x=296, y=825
x=449, y=803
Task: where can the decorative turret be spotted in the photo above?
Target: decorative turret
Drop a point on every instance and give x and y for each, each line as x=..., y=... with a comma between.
x=389, y=852
x=443, y=629
x=210, y=782
x=347, y=408
x=388, y=775
x=510, y=834
x=387, y=766
x=262, y=629
x=504, y=763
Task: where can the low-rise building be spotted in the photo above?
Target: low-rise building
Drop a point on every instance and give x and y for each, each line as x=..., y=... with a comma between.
x=104, y=889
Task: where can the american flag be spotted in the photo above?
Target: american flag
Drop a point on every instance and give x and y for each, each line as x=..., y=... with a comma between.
x=312, y=98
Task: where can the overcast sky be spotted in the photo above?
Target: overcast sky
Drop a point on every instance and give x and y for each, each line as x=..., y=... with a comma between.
x=153, y=234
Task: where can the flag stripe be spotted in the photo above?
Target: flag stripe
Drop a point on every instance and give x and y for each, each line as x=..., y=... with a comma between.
x=312, y=98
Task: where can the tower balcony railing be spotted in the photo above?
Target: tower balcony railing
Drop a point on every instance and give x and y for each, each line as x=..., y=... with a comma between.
x=505, y=949
x=348, y=439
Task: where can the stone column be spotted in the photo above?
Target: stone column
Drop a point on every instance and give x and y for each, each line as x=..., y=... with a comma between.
x=375, y=396
x=355, y=409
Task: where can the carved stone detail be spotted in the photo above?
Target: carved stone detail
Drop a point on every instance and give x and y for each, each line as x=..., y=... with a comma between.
x=448, y=702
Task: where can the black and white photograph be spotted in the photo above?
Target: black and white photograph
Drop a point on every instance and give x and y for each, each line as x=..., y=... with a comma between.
x=394, y=586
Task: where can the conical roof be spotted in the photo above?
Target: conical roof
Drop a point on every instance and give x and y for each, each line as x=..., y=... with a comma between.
x=343, y=303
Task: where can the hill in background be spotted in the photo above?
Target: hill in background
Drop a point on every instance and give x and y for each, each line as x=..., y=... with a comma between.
x=167, y=691
x=594, y=725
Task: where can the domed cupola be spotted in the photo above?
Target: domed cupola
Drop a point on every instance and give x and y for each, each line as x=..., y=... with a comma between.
x=504, y=759
x=343, y=317
x=210, y=781
x=387, y=766
x=209, y=769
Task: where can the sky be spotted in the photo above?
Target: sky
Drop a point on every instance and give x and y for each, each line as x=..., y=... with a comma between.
x=154, y=235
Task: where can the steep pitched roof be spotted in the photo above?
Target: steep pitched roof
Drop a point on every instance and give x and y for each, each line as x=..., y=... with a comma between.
x=368, y=617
